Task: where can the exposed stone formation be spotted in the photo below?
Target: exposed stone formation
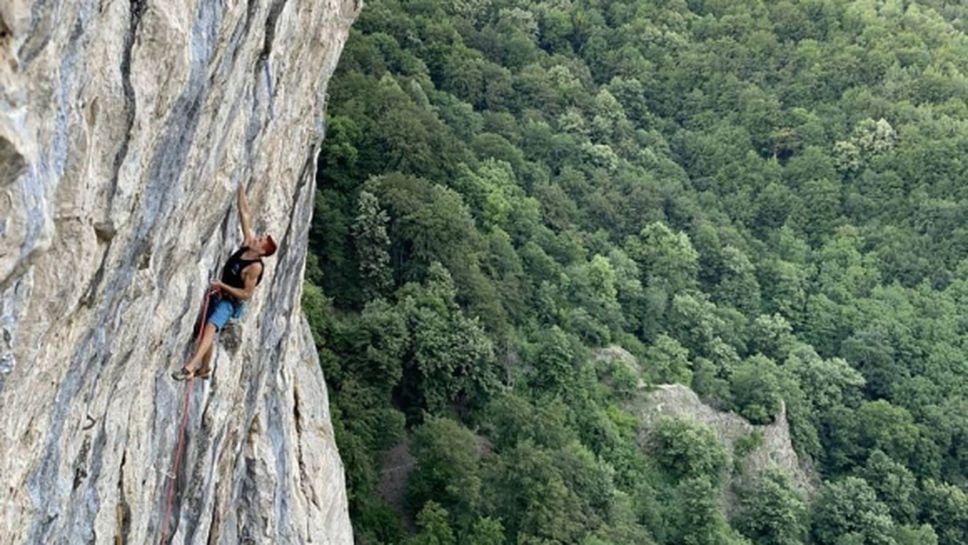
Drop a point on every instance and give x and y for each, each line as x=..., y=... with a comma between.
x=125, y=129
x=775, y=451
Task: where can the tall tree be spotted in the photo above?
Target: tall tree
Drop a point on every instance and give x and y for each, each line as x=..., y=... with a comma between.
x=372, y=246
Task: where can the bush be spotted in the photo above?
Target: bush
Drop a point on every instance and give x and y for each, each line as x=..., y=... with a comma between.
x=687, y=449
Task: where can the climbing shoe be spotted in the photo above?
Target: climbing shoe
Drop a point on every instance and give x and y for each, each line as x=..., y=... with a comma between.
x=183, y=374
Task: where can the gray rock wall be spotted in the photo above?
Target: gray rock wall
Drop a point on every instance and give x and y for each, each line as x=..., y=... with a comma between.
x=125, y=128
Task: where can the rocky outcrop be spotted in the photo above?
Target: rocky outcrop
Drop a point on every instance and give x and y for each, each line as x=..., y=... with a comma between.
x=125, y=129
x=775, y=450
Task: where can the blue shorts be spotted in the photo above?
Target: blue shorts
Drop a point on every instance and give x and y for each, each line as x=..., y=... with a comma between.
x=220, y=311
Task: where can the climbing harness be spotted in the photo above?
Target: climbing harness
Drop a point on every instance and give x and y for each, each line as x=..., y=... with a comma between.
x=180, y=445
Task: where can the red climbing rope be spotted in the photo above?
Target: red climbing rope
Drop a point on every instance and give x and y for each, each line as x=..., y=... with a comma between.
x=180, y=446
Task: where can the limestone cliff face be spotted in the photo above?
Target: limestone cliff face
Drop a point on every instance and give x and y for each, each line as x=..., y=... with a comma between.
x=125, y=128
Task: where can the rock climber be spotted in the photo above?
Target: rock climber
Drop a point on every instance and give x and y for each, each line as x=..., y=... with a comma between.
x=241, y=274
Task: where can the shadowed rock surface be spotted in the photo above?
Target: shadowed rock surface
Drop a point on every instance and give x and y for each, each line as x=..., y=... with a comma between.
x=125, y=129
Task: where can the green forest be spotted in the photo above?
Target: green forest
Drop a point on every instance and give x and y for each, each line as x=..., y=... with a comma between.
x=765, y=201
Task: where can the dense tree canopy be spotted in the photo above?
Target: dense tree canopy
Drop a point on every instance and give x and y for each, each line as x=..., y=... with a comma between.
x=763, y=200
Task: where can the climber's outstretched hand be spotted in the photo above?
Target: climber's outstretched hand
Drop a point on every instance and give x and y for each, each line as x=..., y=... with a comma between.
x=245, y=216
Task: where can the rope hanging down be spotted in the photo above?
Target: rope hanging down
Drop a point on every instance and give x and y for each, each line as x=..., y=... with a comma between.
x=180, y=445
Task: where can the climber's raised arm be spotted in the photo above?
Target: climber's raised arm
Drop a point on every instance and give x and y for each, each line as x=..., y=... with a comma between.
x=245, y=216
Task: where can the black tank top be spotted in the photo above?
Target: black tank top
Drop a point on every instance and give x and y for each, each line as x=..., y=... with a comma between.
x=232, y=271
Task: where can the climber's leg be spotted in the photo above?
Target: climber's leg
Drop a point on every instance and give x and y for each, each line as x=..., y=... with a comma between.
x=206, y=368
x=221, y=311
x=204, y=345
x=187, y=372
